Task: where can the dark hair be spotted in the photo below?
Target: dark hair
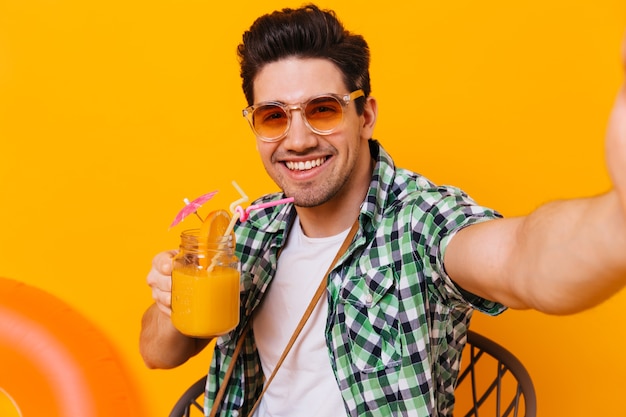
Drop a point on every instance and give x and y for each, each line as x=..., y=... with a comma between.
x=307, y=32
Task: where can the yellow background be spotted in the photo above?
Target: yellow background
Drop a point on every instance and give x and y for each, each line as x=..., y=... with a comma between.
x=111, y=112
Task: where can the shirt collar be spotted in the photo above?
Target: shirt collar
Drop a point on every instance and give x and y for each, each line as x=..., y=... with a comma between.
x=380, y=189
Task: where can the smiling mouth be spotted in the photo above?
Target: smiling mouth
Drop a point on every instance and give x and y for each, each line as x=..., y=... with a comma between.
x=305, y=165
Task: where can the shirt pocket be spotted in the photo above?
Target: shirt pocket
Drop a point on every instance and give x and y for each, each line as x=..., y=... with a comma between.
x=369, y=306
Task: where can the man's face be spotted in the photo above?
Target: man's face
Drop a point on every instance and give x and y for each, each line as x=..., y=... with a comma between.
x=313, y=168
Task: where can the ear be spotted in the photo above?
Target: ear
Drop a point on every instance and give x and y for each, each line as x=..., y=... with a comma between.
x=368, y=118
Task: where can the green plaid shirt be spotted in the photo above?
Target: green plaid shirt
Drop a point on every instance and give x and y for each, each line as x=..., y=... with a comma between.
x=396, y=322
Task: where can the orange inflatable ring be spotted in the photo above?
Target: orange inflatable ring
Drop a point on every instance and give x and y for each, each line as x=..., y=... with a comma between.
x=54, y=362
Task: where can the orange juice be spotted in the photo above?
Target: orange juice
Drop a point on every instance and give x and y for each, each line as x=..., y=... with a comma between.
x=205, y=282
x=205, y=303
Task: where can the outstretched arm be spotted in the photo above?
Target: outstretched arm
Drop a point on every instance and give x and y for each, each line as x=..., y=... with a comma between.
x=564, y=257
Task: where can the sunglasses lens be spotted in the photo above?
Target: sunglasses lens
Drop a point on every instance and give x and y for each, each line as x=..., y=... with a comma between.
x=324, y=113
x=270, y=121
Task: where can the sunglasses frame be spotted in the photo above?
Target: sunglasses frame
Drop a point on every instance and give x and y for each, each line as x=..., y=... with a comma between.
x=343, y=100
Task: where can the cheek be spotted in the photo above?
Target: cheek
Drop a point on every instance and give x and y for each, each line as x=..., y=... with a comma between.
x=265, y=150
x=261, y=148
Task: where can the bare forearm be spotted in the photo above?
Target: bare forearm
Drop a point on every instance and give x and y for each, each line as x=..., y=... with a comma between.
x=161, y=345
x=571, y=255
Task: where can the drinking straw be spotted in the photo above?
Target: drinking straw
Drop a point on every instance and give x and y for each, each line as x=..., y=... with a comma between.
x=240, y=214
x=243, y=199
x=243, y=215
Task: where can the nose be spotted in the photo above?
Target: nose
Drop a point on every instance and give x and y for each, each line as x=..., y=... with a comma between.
x=299, y=136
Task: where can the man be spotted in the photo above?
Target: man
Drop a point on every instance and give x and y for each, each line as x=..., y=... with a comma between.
x=386, y=337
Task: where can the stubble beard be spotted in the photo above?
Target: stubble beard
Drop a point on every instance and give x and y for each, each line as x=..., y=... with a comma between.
x=316, y=195
x=318, y=192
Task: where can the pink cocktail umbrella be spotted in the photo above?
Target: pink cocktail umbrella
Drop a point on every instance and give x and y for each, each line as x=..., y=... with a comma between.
x=192, y=207
x=239, y=213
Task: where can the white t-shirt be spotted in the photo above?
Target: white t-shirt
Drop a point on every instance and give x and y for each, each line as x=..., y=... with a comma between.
x=304, y=384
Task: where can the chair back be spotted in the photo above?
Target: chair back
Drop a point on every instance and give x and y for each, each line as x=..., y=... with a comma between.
x=495, y=381
x=191, y=403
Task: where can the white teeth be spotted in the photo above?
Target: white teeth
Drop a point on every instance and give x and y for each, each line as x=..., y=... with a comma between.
x=305, y=166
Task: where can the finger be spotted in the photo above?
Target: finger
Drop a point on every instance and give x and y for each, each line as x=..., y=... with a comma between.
x=158, y=281
x=163, y=300
x=162, y=262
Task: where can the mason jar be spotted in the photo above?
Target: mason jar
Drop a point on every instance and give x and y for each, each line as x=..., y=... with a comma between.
x=205, y=285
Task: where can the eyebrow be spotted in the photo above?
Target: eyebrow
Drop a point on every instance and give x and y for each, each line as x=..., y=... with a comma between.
x=300, y=102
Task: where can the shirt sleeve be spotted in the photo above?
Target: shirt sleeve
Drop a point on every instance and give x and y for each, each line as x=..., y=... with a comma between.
x=449, y=210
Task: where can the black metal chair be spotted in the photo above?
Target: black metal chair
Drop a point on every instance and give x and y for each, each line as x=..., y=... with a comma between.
x=495, y=381
x=191, y=403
